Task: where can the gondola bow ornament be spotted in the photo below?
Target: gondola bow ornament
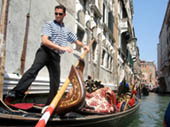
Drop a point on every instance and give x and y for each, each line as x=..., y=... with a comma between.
x=57, y=99
x=75, y=98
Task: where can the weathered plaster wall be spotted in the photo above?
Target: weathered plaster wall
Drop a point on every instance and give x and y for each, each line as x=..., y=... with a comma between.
x=0, y=9
x=40, y=12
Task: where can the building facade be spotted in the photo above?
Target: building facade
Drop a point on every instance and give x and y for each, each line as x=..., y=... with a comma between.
x=148, y=77
x=112, y=58
x=163, y=49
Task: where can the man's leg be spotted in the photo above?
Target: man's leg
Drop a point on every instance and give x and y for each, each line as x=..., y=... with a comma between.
x=54, y=74
x=29, y=76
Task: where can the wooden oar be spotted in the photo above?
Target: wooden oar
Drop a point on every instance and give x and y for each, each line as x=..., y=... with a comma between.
x=49, y=111
x=131, y=95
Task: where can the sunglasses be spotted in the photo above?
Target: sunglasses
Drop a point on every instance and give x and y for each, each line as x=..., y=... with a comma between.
x=60, y=14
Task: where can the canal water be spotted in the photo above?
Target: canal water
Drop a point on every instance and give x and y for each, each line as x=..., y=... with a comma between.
x=151, y=111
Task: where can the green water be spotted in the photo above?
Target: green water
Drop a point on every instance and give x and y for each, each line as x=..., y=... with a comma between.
x=151, y=111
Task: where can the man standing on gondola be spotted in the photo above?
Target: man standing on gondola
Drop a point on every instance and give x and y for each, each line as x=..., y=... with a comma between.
x=54, y=43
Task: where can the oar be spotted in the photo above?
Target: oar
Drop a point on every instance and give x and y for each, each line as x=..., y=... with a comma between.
x=49, y=111
x=131, y=95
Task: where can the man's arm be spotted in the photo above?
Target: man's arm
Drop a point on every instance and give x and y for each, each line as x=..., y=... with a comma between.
x=51, y=45
x=85, y=47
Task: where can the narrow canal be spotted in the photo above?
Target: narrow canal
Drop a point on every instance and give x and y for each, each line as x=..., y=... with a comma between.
x=151, y=111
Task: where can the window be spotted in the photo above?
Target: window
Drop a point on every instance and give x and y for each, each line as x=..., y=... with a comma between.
x=83, y=2
x=108, y=62
x=80, y=36
x=111, y=64
x=110, y=21
x=103, y=55
x=103, y=13
x=94, y=49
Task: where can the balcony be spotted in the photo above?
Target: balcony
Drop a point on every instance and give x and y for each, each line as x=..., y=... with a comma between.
x=108, y=31
x=123, y=24
x=164, y=65
x=132, y=47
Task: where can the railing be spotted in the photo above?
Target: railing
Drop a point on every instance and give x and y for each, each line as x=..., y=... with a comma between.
x=39, y=86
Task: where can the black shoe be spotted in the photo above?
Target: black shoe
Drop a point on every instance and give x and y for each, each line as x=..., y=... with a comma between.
x=11, y=94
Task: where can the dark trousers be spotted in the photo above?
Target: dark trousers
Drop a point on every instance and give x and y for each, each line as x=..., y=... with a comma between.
x=44, y=57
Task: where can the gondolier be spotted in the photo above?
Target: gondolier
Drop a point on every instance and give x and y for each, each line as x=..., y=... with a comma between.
x=54, y=43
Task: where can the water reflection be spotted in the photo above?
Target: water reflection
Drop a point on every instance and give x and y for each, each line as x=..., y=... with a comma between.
x=151, y=111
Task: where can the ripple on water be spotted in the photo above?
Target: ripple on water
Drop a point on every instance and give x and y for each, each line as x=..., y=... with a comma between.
x=151, y=111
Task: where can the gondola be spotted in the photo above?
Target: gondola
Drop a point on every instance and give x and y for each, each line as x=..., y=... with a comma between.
x=20, y=118
x=9, y=111
x=145, y=91
x=68, y=107
x=74, y=118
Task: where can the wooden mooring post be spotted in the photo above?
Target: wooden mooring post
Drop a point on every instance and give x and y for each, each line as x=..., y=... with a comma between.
x=3, y=31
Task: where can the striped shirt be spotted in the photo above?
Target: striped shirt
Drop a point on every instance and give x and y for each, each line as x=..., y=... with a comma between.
x=58, y=34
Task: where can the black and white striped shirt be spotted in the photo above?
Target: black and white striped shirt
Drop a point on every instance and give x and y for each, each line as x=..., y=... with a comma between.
x=58, y=34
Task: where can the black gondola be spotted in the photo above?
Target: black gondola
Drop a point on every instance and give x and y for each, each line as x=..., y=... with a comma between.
x=145, y=91
x=20, y=118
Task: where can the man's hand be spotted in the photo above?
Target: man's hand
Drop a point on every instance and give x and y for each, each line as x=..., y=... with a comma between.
x=85, y=47
x=67, y=49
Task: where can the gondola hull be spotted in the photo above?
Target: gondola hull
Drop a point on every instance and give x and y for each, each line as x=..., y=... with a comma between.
x=10, y=117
